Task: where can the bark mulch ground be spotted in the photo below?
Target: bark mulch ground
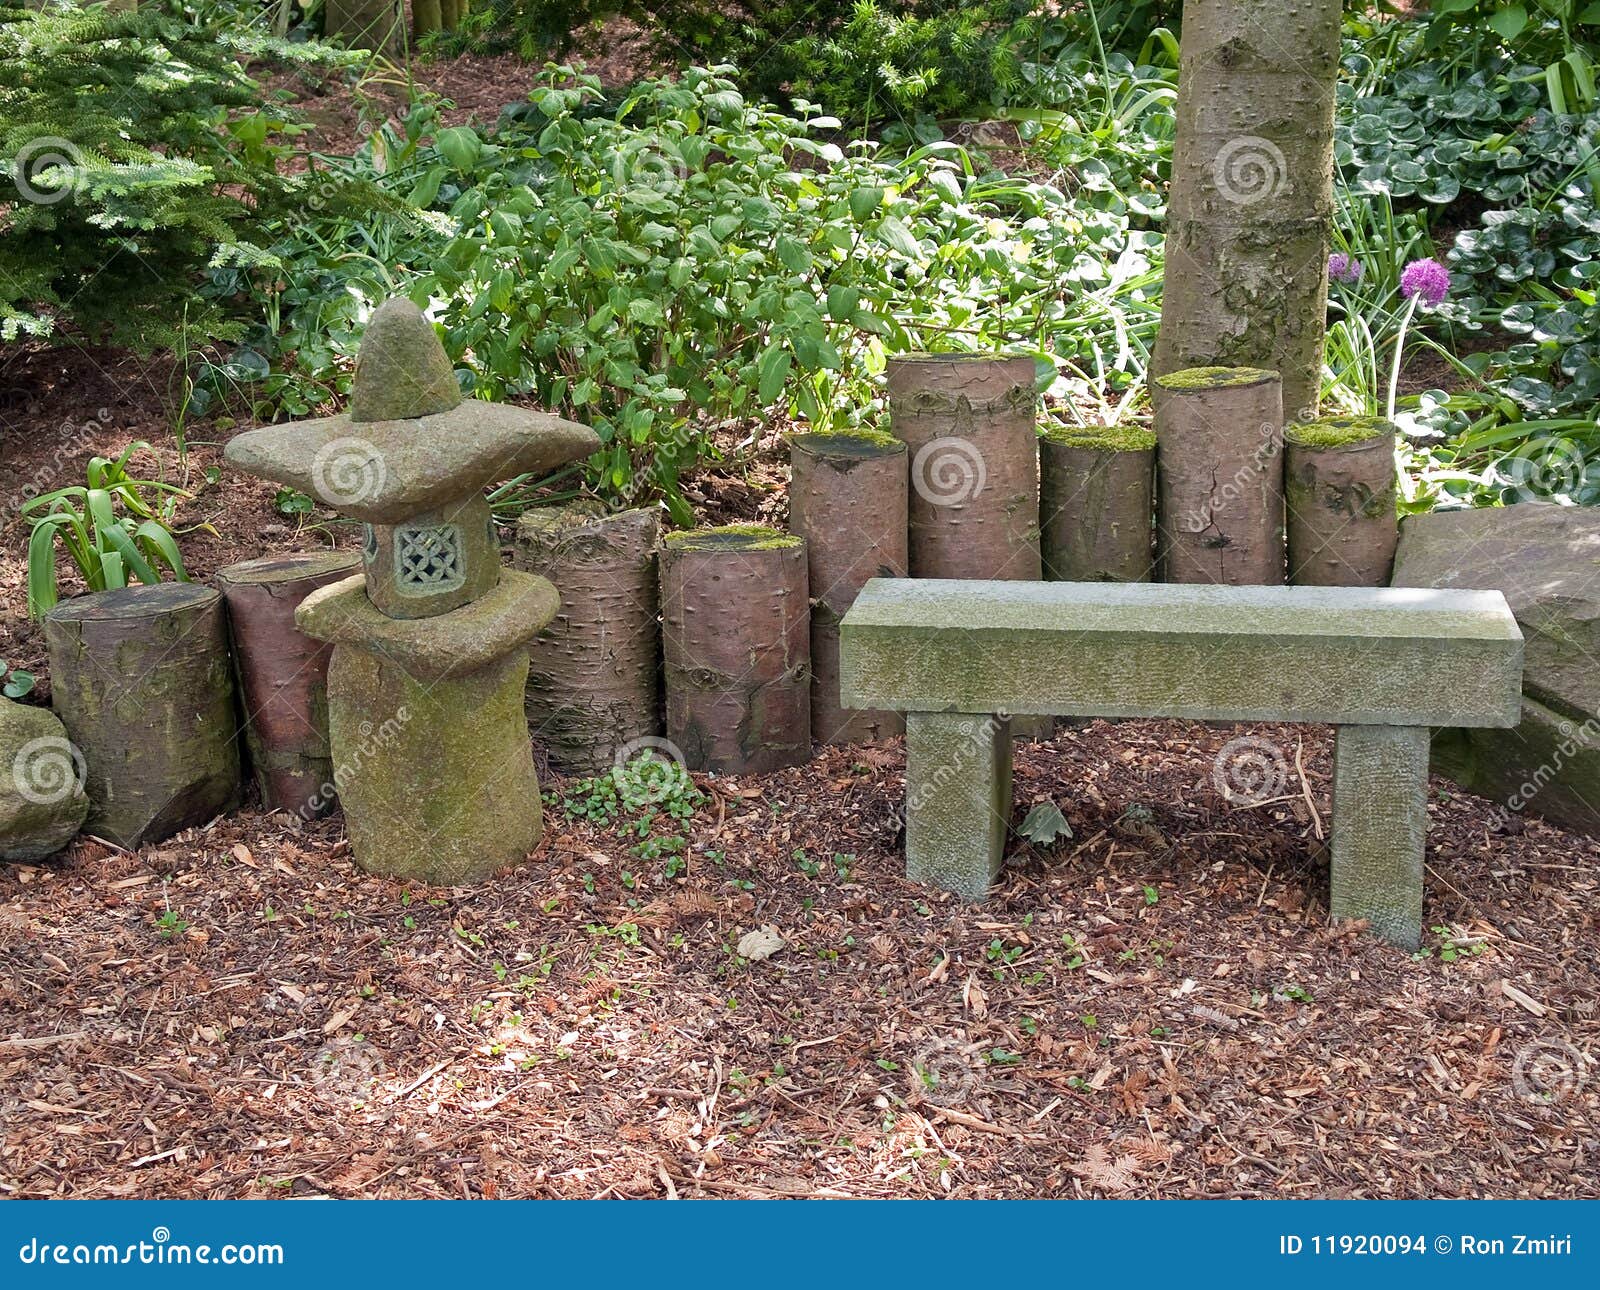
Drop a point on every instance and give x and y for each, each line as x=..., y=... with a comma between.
x=1156, y=1006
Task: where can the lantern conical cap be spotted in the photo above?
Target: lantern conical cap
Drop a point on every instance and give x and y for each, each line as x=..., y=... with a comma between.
x=402, y=371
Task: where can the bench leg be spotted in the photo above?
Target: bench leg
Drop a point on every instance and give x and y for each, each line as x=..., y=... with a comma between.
x=958, y=800
x=1380, y=824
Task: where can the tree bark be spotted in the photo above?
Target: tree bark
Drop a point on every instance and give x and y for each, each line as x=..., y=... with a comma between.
x=365, y=24
x=282, y=675
x=594, y=684
x=736, y=636
x=1339, y=489
x=141, y=680
x=1097, y=505
x=427, y=16
x=968, y=422
x=847, y=499
x=1251, y=202
x=1219, y=450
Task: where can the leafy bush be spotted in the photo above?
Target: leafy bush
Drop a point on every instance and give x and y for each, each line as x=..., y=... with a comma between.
x=133, y=151
x=690, y=257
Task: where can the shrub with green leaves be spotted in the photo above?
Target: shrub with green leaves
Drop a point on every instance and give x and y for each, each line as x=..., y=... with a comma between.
x=134, y=150
x=691, y=257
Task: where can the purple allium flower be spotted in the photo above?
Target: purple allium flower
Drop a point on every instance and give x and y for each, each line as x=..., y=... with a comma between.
x=1344, y=268
x=1427, y=278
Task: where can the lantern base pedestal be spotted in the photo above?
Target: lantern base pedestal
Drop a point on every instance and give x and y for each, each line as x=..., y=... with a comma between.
x=436, y=777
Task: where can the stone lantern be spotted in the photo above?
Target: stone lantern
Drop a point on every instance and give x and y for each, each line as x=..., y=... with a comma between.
x=430, y=744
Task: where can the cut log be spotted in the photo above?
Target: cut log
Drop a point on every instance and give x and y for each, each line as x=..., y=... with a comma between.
x=142, y=682
x=1251, y=203
x=847, y=499
x=1219, y=453
x=736, y=636
x=968, y=422
x=594, y=681
x=366, y=24
x=282, y=675
x=1339, y=491
x=1097, y=504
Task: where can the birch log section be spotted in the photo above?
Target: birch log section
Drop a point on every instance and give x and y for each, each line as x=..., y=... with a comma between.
x=736, y=638
x=847, y=499
x=1219, y=462
x=594, y=675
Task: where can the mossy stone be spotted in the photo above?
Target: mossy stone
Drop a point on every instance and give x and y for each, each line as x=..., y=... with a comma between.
x=402, y=370
x=42, y=802
x=436, y=777
x=445, y=645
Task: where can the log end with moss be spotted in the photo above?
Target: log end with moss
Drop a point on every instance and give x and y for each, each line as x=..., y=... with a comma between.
x=1340, y=486
x=848, y=499
x=736, y=645
x=1219, y=456
x=1097, y=503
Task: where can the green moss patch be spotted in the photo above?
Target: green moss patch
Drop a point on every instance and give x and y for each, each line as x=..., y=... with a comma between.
x=1214, y=378
x=1337, y=432
x=732, y=537
x=1131, y=438
x=848, y=443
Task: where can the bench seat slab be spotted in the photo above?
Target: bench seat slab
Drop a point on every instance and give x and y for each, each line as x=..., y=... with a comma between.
x=1380, y=827
x=1326, y=655
x=958, y=800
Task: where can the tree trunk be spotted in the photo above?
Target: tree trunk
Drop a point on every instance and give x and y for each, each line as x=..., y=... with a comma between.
x=1219, y=449
x=594, y=684
x=365, y=24
x=1097, y=505
x=1339, y=487
x=736, y=635
x=449, y=14
x=847, y=499
x=1250, y=209
x=968, y=422
x=141, y=680
x=282, y=675
x=427, y=16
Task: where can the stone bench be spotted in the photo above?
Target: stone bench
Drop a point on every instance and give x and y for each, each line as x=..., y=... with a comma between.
x=1381, y=664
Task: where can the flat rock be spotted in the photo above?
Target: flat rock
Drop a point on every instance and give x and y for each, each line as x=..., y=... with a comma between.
x=1549, y=765
x=42, y=802
x=453, y=644
x=1545, y=560
x=1330, y=655
x=384, y=472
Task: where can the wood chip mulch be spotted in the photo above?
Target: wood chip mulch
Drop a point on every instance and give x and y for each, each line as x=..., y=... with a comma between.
x=1156, y=1006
